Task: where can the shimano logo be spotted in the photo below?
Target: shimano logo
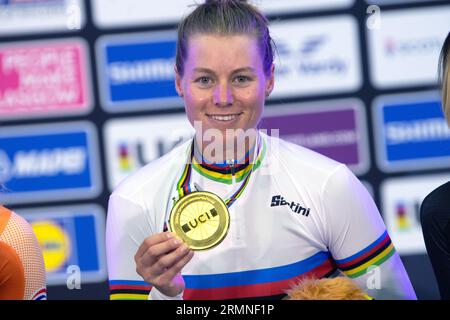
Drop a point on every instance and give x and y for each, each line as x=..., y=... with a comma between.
x=46, y=162
x=433, y=129
x=295, y=207
x=141, y=71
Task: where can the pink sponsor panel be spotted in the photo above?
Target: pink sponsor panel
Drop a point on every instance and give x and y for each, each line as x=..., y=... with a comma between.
x=39, y=79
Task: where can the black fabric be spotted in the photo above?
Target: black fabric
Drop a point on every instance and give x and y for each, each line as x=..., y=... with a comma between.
x=435, y=219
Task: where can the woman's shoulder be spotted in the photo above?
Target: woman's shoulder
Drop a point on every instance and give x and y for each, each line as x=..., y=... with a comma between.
x=14, y=227
x=438, y=198
x=155, y=173
x=5, y=215
x=302, y=158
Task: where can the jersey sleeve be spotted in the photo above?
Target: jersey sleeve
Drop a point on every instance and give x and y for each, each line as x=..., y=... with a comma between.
x=126, y=228
x=357, y=238
x=12, y=278
x=22, y=267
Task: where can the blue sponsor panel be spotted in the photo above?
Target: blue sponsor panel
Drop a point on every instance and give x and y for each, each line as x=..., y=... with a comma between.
x=49, y=162
x=136, y=71
x=411, y=132
x=72, y=241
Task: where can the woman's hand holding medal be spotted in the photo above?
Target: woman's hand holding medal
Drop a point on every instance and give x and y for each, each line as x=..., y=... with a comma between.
x=159, y=261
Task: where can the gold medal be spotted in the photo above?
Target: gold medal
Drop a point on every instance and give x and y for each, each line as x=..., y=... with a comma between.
x=201, y=219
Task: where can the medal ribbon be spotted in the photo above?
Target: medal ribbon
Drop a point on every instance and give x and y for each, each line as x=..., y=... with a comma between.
x=183, y=185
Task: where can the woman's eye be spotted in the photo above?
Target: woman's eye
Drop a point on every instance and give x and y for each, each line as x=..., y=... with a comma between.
x=241, y=79
x=204, y=80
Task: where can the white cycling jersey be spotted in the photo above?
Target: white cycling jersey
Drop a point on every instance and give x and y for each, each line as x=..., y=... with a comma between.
x=301, y=214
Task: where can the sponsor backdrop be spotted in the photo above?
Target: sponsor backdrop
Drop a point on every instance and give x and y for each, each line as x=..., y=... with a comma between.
x=87, y=97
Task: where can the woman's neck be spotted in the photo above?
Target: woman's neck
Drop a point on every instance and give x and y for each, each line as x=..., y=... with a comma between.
x=237, y=150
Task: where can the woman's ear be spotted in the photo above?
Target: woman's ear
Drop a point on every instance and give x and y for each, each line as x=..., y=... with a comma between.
x=270, y=81
x=178, y=82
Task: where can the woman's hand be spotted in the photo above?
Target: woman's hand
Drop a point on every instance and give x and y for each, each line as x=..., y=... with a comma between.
x=159, y=261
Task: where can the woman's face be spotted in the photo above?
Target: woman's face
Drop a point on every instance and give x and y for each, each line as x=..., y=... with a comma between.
x=224, y=85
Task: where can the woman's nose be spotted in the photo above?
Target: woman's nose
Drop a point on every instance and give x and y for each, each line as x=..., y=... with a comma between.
x=223, y=96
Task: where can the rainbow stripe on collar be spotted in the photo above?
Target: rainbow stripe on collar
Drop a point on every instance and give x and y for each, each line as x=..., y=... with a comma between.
x=183, y=185
x=223, y=172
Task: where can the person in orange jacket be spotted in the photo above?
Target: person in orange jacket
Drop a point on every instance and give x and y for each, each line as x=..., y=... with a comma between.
x=22, y=269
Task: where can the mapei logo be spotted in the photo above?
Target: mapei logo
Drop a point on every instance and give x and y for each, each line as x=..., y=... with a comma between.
x=42, y=163
x=39, y=163
x=136, y=71
x=295, y=207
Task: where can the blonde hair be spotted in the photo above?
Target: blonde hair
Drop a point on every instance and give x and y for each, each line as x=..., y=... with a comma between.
x=444, y=77
x=339, y=288
x=225, y=17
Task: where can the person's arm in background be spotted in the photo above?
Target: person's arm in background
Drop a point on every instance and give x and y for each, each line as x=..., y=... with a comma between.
x=435, y=209
x=358, y=241
x=435, y=220
x=22, y=269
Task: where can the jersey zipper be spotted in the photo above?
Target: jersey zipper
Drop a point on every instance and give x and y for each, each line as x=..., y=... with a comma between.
x=230, y=163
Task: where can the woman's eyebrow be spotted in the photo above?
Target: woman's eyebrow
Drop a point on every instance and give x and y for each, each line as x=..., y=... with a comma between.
x=243, y=69
x=203, y=70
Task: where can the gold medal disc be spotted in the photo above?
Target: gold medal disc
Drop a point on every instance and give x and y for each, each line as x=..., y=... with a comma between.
x=201, y=219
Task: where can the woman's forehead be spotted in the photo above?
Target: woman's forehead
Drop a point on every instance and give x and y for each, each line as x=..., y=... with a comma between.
x=223, y=50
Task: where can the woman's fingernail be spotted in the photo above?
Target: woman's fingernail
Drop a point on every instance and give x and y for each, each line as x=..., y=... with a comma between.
x=170, y=235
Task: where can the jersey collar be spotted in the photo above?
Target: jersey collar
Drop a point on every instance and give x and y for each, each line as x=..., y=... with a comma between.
x=223, y=172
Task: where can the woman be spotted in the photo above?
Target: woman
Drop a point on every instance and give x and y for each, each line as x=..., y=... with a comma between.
x=22, y=270
x=292, y=213
x=435, y=209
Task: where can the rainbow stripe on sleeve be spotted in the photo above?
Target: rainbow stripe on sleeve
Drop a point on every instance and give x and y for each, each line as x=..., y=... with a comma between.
x=268, y=283
x=374, y=255
x=128, y=290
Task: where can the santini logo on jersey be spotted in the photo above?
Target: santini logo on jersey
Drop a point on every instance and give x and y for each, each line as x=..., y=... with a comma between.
x=296, y=207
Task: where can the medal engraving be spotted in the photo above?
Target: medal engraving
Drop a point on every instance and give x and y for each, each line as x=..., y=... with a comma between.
x=201, y=219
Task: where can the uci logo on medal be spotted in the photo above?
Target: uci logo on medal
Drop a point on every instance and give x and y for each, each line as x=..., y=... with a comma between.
x=206, y=217
x=201, y=219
